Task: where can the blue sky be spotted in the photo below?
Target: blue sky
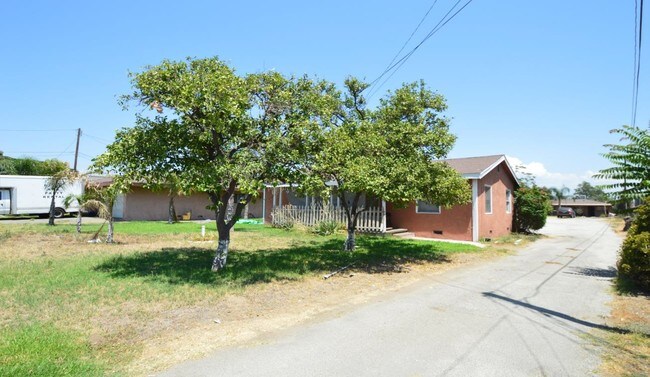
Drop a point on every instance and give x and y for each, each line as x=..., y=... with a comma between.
x=542, y=82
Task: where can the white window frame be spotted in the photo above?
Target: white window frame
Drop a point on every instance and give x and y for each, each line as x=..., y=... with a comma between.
x=488, y=189
x=508, y=201
x=417, y=208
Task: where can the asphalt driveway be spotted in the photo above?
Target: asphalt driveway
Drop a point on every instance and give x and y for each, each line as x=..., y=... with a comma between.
x=528, y=314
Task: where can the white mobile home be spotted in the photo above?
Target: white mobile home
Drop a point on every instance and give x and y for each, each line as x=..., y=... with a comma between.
x=28, y=195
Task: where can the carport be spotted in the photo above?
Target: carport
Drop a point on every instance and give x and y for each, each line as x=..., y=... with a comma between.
x=585, y=207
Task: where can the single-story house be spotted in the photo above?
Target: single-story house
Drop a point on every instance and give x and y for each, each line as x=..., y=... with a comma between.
x=584, y=207
x=492, y=181
x=491, y=178
x=140, y=203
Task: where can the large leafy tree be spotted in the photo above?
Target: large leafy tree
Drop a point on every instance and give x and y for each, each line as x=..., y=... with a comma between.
x=388, y=153
x=630, y=161
x=221, y=133
x=590, y=191
x=146, y=163
x=31, y=166
x=7, y=165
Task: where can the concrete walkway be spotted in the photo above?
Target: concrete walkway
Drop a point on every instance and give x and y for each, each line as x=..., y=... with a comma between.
x=523, y=315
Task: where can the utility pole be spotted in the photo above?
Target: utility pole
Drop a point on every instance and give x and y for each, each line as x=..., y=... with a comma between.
x=76, y=150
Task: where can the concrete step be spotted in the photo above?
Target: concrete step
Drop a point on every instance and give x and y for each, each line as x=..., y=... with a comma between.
x=395, y=231
x=404, y=234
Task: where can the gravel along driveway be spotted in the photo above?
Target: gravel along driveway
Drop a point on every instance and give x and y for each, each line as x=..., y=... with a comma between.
x=528, y=314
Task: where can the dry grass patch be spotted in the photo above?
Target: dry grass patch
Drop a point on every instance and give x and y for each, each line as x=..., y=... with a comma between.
x=512, y=242
x=617, y=223
x=628, y=354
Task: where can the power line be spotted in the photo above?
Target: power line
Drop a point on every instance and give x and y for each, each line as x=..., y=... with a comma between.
x=37, y=152
x=638, y=34
x=399, y=63
x=390, y=67
x=412, y=34
x=66, y=149
x=35, y=130
x=636, y=29
x=86, y=156
x=98, y=139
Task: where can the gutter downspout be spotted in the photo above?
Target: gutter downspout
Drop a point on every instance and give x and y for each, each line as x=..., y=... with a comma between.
x=475, y=210
x=383, y=217
x=264, y=205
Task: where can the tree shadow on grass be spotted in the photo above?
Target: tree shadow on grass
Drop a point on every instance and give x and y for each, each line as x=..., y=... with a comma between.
x=192, y=265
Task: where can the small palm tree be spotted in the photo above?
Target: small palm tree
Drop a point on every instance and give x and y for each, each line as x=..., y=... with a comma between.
x=104, y=197
x=56, y=183
x=559, y=194
x=81, y=200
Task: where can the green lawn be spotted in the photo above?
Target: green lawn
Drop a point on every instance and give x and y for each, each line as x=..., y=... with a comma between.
x=57, y=292
x=129, y=227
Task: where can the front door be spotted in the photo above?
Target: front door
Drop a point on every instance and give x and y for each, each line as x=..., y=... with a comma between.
x=5, y=202
x=118, y=207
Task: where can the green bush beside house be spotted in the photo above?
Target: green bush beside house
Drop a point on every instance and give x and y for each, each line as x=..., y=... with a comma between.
x=634, y=260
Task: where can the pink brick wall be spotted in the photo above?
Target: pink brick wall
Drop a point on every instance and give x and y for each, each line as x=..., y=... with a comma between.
x=456, y=223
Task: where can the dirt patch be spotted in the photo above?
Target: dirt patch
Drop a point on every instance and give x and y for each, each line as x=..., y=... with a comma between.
x=256, y=314
x=632, y=312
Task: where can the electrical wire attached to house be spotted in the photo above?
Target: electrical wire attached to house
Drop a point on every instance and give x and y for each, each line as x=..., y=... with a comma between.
x=395, y=65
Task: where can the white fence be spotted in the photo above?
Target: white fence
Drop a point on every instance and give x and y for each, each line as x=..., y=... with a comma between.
x=372, y=220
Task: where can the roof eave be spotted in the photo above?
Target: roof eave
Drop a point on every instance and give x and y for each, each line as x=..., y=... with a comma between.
x=495, y=164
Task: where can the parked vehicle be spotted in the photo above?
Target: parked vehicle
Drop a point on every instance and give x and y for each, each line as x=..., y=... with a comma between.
x=28, y=195
x=566, y=212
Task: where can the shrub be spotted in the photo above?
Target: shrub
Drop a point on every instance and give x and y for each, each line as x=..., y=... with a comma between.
x=326, y=227
x=280, y=220
x=286, y=224
x=532, y=205
x=634, y=260
x=641, y=221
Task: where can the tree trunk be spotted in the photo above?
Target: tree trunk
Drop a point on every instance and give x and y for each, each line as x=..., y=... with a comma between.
x=352, y=215
x=350, y=242
x=172, y=210
x=225, y=219
x=221, y=256
x=109, y=234
x=79, y=221
x=51, y=220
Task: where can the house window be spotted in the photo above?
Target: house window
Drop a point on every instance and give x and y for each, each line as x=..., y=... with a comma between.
x=508, y=201
x=426, y=207
x=488, y=199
